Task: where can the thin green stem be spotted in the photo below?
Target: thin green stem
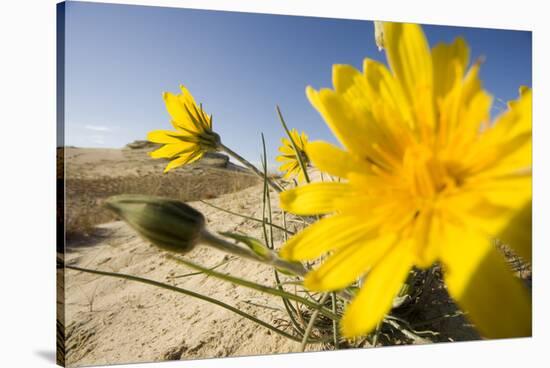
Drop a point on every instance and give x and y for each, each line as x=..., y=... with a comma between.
x=436, y=319
x=246, y=217
x=200, y=273
x=189, y=293
x=272, y=259
x=295, y=283
x=264, y=197
x=258, y=287
x=267, y=196
x=334, y=322
x=294, y=146
x=289, y=308
x=243, y=161
x=405, y=331
x=311, y=323
x=376, y=334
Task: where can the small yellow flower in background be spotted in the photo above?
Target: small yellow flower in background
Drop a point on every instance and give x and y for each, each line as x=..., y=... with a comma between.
x=427, y=178
x=291, y=166
x=193, y=135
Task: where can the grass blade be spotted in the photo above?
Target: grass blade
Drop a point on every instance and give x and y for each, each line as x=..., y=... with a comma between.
x=189, y=293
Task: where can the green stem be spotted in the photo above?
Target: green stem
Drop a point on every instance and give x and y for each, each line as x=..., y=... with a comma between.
x=376, y=334
x=189, y=293
x=266, y=199
x=246, y=217
x=200, y=273
x=243, y=161
x=252, y=285
x=334, y=322
x=436, y=319
x=272, y=259
x=312, y=322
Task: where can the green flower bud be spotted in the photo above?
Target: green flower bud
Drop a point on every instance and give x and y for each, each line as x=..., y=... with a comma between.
x=169, y=224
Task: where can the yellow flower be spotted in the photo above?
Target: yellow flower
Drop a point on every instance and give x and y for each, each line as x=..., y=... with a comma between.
x=289, y=158
x=427, y=178
x=193, y=136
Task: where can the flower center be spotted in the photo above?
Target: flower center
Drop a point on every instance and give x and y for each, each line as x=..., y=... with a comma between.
x=428, y=177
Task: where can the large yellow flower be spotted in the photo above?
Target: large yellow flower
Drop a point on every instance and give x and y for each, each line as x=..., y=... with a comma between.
x=193, y=136
x=427, y=178
x=289, y=157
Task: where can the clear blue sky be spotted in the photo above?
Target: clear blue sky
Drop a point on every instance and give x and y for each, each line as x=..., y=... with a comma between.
x=120, y=58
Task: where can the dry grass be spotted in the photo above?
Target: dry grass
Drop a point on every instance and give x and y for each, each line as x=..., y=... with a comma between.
x=85, y=197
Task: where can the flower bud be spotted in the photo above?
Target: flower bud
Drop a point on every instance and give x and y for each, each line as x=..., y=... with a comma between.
x=169, y=224
x=379, y=34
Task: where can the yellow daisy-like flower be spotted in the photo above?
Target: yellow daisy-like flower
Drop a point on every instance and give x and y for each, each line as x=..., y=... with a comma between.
x=193, y=135
x=427, y=178
x=289, y=157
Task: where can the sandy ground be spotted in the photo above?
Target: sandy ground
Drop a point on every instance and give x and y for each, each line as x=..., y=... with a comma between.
x=111, y=320
x=114, y=321
x=93, y=163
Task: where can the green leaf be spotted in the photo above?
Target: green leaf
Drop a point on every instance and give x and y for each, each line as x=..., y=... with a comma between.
x=254, y=244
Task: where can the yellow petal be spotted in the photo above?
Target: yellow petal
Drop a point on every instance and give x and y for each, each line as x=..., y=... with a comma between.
x=357, y=109
x=184, y=159
x=166, y=136
x=202, y=121
x=483, y=285
x=186, y=97
x=324, y=235
x=510, y=191
x=315, y=198
x=343, y=76
x=444, y=58
x=289, y=166
x=461, y=121
x=340, y=118
x=173, y=149
x=285, y=158
x=518, y=232
x=176, y=108
x=296, y=138
x=287, y=150
x=384, y=86
x=333, y=160
x=506, y=146
x=375, y=298
x=348, y=264
x=301, y=176
x=409, y=56
x=304, y=138
x=499, y=207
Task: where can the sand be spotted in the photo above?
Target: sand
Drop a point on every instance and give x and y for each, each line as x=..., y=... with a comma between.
x=114, y=321
x=122, y=321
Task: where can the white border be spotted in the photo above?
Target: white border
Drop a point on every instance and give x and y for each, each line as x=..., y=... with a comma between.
x=27, y=189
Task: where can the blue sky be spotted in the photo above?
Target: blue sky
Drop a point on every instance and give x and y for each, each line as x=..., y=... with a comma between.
x=120, y=58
